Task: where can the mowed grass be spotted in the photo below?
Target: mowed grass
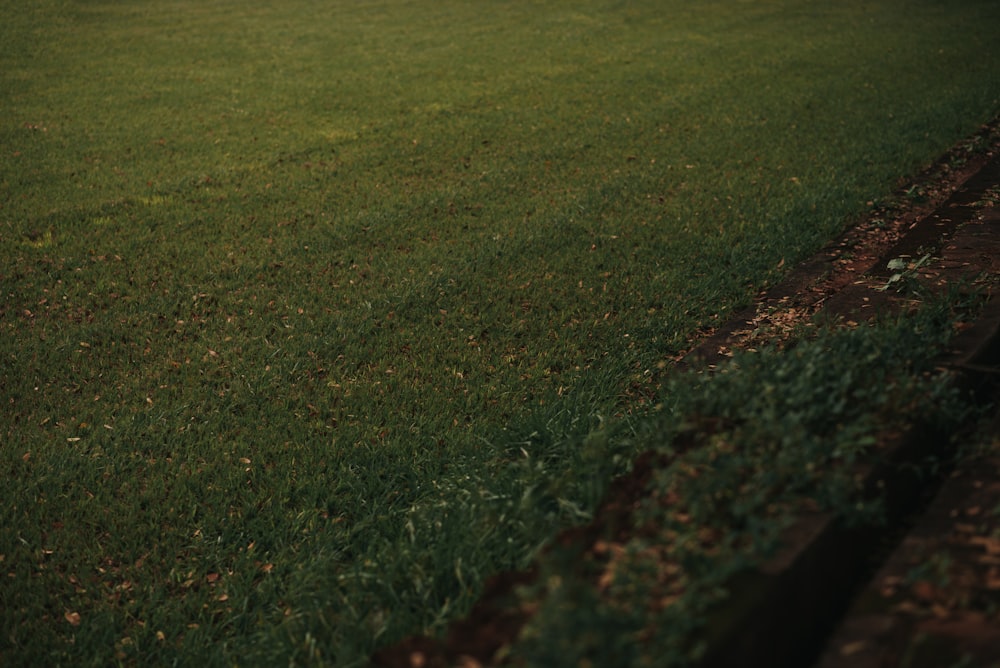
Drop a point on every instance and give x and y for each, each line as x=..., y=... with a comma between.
x=309, y=308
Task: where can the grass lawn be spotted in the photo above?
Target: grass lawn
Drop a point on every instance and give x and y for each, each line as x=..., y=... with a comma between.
x=307, y=309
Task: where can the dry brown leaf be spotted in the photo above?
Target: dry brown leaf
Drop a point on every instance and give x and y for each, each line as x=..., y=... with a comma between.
x=924, y=590
x=908, y=607
x=852, y=648
x=940, y=611
x=988, y=543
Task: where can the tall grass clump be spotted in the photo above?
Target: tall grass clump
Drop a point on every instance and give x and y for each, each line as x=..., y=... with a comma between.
x=307, y=307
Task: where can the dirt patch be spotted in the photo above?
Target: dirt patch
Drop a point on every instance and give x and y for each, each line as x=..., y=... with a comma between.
x=904, y=226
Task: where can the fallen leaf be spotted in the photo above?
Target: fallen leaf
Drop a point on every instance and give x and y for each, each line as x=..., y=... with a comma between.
x=991, y=545
x=908, y=607
x=73, y=618
x=924, y=590
x=852, y=648
x=940, y=611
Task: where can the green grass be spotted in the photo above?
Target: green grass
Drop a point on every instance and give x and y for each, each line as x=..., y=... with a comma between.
x=307, y=308
x=769, y=436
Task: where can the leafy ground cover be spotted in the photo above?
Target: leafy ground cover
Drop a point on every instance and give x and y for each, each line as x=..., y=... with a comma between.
x=741, y=454
x=307, y=309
